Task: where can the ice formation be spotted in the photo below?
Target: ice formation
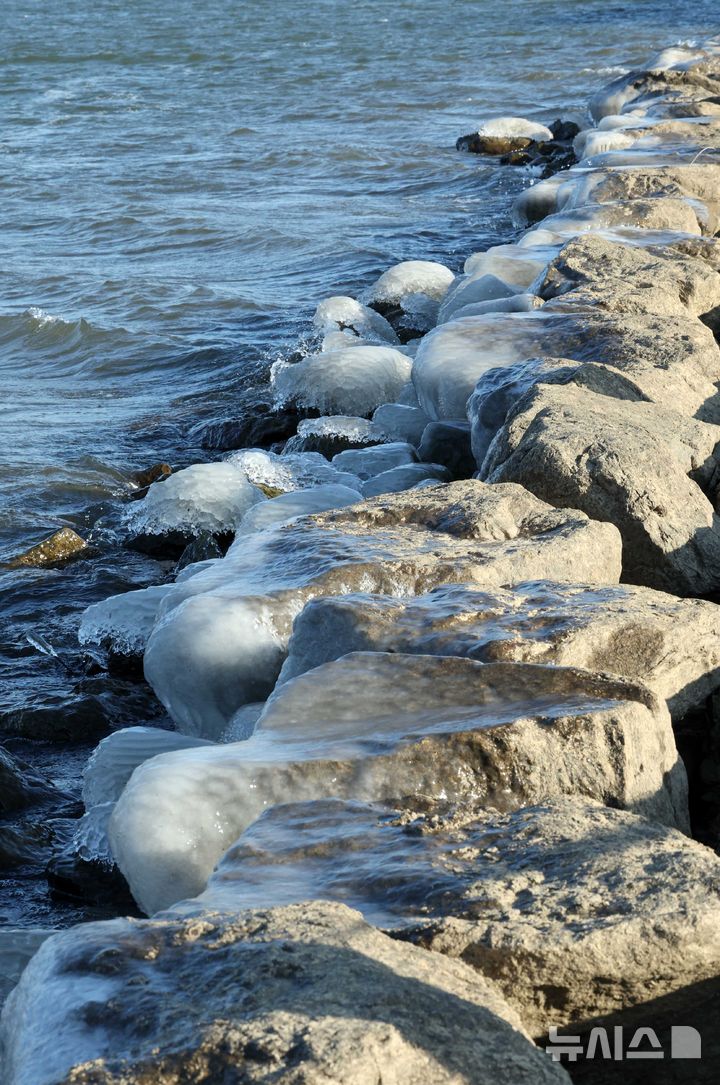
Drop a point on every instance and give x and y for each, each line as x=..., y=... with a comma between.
x=410, y=278
x=114, y=760
x=366, y=462
x=290, y=471
x=278, y=510
x=221, y=637
x=401, y=422
x=397, y=479
x=353, y=381
x=317, y=738
x=210, y=497
x=514, y=128
x=338, y=313
x=124, y=622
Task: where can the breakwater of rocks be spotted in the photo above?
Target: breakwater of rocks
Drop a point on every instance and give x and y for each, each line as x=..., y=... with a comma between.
x=442, y=655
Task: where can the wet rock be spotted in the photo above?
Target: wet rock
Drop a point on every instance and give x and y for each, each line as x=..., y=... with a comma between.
x=426, y=732
x=448, y=443
x=266, y=426
x=58, y=548
x=630, y=463
x=309, y=993
x=72, y=878
x=671, y=645
x=571, y=908
x=206, y=546
x=20, y=786
x=145, y=478
x=225, y=645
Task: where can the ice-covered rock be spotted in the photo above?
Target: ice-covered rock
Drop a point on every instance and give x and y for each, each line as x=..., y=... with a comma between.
x=671, y=645
x=287, y=473
x=514, y=128
x=630, y=463
x=367, y=462
x=425, y=730
x=401, y=422
x=278, y=510
x=90, y=841
x=409, y=295
x=114, y=760
x=353, y=381
x=210, y=497
x=397, y=479
x=338, y=313
x=569, y=897
x=333, y=434
x=123, y=623
x=221, y=638
x=309, y=993
x=243, y=722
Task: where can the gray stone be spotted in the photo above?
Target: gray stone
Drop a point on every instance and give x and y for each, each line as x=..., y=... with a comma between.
x=407, y=730
x=308, y=994
x=671, y=645
x=448, y=443
x=573, y=909
x=628, y=463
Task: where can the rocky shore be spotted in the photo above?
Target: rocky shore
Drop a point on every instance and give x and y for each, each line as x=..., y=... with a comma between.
x=443, y=657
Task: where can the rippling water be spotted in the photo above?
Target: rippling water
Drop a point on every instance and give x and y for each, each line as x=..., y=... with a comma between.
x=180, y=186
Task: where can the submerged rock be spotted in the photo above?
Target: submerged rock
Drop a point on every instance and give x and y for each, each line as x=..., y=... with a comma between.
x=58, y=548
x=423, y=732
x=221, y=636
x=671, y=645
x=308, y=992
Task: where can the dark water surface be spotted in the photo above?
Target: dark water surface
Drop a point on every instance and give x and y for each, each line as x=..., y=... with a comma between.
x=180, y=185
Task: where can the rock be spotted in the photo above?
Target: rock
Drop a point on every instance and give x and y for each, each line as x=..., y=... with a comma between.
x=58, y=548
x=502, y=135
x=145, y=478
x=222, y=635
x=350, y=381
x=397, y=479
x=205, y=499
x=20, y=786
x=571, y=908
x=401, y=422
x=564, y=131
x=309, y=993
x=628, y=463
x=671, y=645
x=638, y=88
x=448, y=443
x=670, y=357
x=204, y=548
x=265, y=426
x=408, y=295
x=334, y=434
x=426, y=732
x=336, y=314
x=668, y=281
x=572, y=931
x=371, y=461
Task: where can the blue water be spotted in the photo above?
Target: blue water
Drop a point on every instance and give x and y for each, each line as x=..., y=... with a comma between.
x=181, y=184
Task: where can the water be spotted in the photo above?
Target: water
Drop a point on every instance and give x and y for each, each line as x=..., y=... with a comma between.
x=180, y=186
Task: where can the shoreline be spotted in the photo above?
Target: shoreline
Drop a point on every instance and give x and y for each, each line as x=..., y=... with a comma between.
x=587, y=354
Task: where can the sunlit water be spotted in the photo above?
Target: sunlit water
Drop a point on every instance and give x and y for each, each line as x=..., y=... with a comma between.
x=181, y=184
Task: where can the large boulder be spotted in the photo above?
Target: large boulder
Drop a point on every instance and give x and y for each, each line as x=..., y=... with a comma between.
x=573, y=909
x=672, y=645
x=403, y=730
x=307, y=993
x=221, y=635
x=350, y=381
x=629, y=463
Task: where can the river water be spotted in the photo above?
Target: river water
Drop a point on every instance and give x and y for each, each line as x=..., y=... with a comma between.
x=180, y=186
